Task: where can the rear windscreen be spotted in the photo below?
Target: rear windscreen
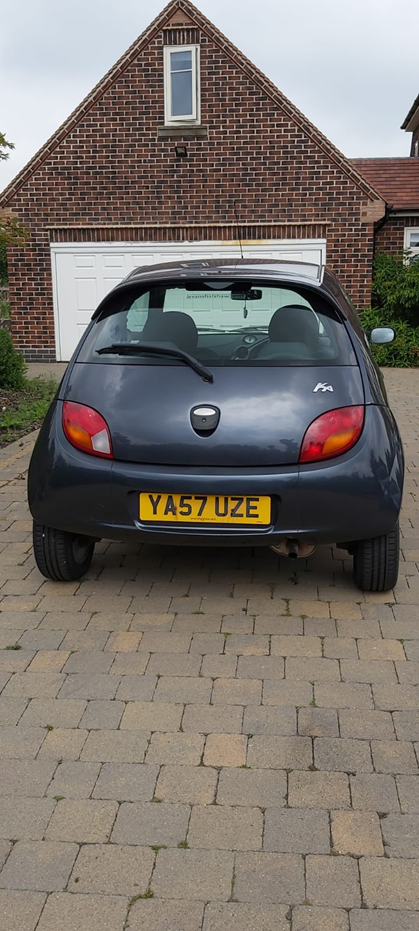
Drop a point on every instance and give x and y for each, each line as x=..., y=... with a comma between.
x=219, y=323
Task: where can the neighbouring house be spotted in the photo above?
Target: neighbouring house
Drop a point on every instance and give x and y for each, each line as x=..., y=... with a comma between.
x=182, y=149
x=397, y=180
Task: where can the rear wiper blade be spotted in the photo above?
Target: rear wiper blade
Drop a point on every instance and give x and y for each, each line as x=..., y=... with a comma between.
x=130, y=349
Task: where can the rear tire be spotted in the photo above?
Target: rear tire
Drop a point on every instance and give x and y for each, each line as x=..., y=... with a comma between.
x=376, y=562
x=61, y=556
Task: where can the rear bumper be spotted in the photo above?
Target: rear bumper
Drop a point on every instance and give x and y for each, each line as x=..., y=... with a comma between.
x=353, y=497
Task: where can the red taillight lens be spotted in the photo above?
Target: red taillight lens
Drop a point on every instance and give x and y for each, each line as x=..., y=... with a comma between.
x=332, y=434
x=86, y=429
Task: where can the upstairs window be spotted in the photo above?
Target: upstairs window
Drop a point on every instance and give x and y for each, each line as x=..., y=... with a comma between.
x=181, y=84
x=411, y=242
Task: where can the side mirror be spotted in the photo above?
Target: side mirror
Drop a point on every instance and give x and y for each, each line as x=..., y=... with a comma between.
x=382, y=334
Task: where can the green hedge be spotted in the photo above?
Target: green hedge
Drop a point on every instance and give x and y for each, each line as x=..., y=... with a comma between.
x=403, y=352
x=12, y=366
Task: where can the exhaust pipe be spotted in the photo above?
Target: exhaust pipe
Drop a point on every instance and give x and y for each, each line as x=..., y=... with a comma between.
x=294, y=549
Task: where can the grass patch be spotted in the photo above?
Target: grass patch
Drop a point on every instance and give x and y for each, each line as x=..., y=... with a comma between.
x=23, y=410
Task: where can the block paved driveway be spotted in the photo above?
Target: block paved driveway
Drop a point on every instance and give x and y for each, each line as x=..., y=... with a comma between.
x=204, y=739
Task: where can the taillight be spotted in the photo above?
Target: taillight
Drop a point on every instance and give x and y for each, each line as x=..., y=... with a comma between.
x=86, y=429
x=332, y=434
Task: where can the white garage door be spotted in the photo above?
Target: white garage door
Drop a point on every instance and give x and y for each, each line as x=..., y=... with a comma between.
x=83, y=273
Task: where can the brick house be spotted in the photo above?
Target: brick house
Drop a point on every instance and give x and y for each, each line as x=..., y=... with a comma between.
x=397, y=180
x=182, y=148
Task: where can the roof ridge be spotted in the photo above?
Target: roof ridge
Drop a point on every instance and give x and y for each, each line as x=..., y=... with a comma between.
x=230, y=49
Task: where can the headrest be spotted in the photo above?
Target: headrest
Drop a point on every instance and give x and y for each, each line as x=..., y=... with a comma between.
x=172, y=327
x=293, y=324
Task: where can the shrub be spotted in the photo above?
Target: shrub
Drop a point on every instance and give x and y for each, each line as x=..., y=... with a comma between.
x=403, y=352
x=395, y=286
x=12, y=366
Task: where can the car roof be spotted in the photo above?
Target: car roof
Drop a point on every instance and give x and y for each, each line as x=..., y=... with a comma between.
x=304, y=272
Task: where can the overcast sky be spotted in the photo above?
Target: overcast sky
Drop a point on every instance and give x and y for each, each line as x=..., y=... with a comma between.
x=350, y=65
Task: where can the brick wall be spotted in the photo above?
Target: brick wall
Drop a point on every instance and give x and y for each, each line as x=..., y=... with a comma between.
x=112, y=172
x=390, y=238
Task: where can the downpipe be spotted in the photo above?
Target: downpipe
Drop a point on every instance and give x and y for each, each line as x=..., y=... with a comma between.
x=294, y=549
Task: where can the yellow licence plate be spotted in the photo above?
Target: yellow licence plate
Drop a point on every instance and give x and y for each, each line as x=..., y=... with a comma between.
x=205, y=509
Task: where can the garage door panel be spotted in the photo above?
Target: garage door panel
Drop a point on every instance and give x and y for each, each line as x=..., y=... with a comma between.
x=84, y=273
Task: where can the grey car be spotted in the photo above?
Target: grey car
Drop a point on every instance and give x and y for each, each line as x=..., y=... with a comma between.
x=221, y=403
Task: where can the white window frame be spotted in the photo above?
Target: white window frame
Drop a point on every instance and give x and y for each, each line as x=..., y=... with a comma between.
x=188, y=118
x=407, y=231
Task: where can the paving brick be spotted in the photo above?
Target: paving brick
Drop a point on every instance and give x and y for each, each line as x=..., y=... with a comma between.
x=314, y=670
x=343, y=695
x=258, y=787
x=5, y=848
x=194, y=875
x=112, y=622
x=269, y=878
x=181, y=749
x=237, y=692
x=219, y=666
x=25, y=818
x=186, y=690
x=115, y=747
x=247, y=645
x=318, y=722
x=274, y=624
x=211, y=644
x=406, y=725
x=203, y=719
x=87, y=821
x=129, y=782
x=382, y=920
x=129, y=664
x=408, y=789
x=312, y=608
x=14, y=660
x=90, y=687
x=369, y=725
x=260, y=667
x=356, y=833
x=25, y=777
x=286, y=693
x=148, y=823
x=89, y=639
x=296, y=646
x=102, y=714
x=374, y=792
x=195, y=785
x=34, y=685
x=41, y=639
x=308, y=918
x=41, y=866
x=340, y=648
x=136, y=688
x=401, y=835
x=226, y=828
x=157, y=915
x=269, y=720
x=197, y=623
x=74, y=779
x=58, y=713
x=296, y=831
x=21, y=742
x=20, y=910
x=63, y=744
x=342, y=754
x=11, y=710
x=238, y=623
x=396, y=697
x=380, y=650
x=394, y=756
x=64, y=620
x=280, y=752
x=225, y=750
x=333, y=881
x=83, y=913
x=152, y=716
x=236, y=916
x=367, y=671
x=367, y=628
x=318, y=790
x=122, y=641
x=408, y=673
x=390, y=883
x=320, y=626
x=111, y=869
